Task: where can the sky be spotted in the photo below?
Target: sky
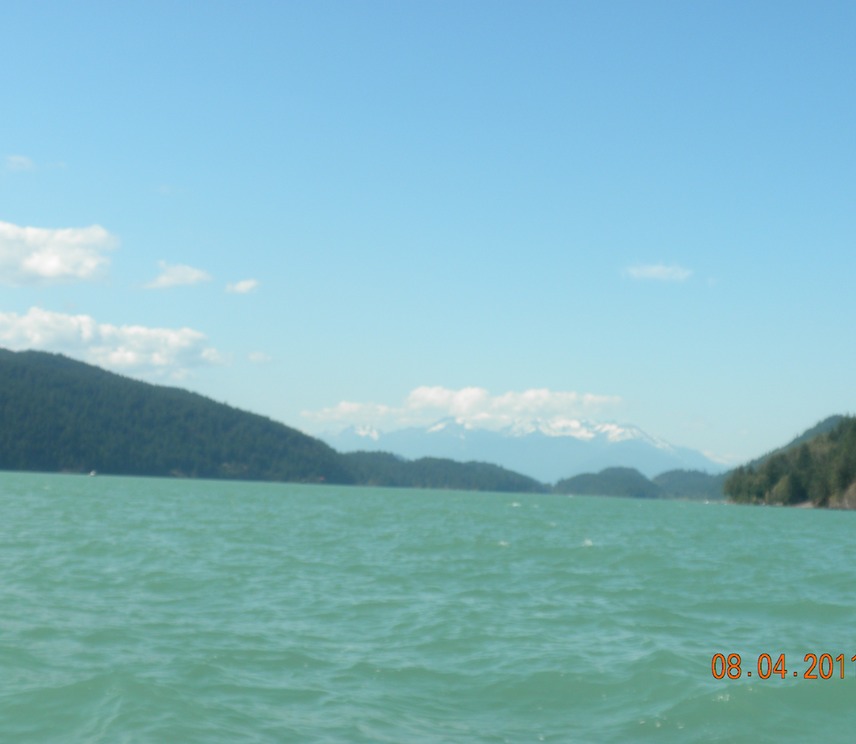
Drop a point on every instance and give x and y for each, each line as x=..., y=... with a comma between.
x=338, y=213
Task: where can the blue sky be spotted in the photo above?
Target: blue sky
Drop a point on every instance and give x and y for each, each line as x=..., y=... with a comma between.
x=384, y=212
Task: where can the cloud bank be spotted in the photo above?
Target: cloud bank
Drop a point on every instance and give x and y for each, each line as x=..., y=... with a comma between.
x=131, y=349
x=37, y=255
x=471, y=406
x=659, y=272
x=175, y=275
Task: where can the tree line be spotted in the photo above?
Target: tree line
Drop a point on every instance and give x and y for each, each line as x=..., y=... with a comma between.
x=820, y=471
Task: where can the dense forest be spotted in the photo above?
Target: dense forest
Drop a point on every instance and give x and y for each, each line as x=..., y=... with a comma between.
x=817, y=469
x=60, y=415
x=57, y=414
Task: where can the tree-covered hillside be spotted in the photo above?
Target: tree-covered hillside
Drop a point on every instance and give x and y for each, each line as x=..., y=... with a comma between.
x=385, y=469
x=610, y=482
x=630, y=483
x=819, y=470
x=691, y=484
x=57, y=414
x=822, y=427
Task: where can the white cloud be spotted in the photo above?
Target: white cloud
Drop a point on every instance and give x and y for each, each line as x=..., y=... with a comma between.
x=128, y=349
x=174, y=275
x=30, y=255
x=243, y=286
x=659, y=272
x=259, y=357
x=465, y=402
x=471, y=406
x=19, y=163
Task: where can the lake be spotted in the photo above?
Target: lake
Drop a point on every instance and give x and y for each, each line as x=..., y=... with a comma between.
x=154, y=610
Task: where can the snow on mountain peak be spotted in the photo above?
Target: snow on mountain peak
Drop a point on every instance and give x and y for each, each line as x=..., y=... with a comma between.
x=368, y=432
x=548, y=448
x=566, y=427
x=555, y=427
x=616, y=433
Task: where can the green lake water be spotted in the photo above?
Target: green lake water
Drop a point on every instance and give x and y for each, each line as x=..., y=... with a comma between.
x=147, y=610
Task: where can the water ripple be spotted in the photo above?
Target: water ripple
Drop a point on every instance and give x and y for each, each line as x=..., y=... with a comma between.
x=147, y=610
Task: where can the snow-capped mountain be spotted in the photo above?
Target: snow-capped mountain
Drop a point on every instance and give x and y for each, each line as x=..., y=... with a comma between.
x=544, y=449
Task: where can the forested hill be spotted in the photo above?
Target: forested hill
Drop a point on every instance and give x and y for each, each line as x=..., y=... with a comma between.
x=822, y=427
x=818, y=470
x=385, y=469
x=57, y=414
x=630, y=483
x=60, y=415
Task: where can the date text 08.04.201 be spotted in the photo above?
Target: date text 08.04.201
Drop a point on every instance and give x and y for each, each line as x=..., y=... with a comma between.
x=764, y=666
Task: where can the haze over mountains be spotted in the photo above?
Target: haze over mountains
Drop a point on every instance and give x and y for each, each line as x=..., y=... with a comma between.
x=547, y=450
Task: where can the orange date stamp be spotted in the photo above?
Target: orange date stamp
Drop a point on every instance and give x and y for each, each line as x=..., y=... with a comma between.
x=764, y=666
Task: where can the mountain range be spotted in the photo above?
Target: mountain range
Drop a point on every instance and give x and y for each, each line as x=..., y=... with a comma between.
x=61, y=415
x=547, y=450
